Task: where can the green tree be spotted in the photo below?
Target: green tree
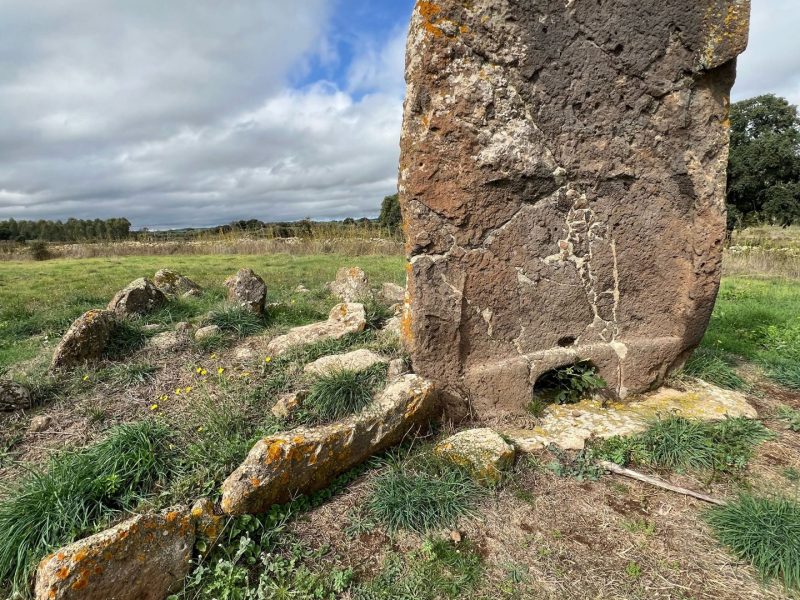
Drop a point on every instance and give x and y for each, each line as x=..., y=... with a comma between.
x=391, y=216
x=764, y=164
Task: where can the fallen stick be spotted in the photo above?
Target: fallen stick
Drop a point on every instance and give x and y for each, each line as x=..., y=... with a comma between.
x=616, y=469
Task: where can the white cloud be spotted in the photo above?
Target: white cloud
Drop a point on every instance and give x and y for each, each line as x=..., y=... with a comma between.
x=771, y=63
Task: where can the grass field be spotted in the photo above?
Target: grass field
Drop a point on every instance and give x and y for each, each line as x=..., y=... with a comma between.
x=41, y=299
x=392, y=529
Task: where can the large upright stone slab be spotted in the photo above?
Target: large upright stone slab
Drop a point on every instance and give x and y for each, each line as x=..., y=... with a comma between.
x=562, y=181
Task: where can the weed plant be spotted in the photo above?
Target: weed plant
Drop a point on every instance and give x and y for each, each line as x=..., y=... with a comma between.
x=342, y=393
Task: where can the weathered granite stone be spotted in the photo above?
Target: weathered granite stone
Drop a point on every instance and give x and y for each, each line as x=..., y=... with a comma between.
x=174, y=284
x=562, y=182
x=351, y=285
x=207, y=332
x=482, y=452
x=143, y=558
x=137, y=298
x=357, y=360
x=169, y=340
x=306, y=460
x=85, y=340
x=40, y=423
x=13, y=396
x=343, y=319
x=397, y=367
x=287, y=404
x=391, y=293
x=248, y=290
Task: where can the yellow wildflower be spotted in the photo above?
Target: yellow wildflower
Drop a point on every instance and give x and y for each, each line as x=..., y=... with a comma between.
x=86, y=378
x=220, y=370
x=178, y=392
x=188, y=389
x=199, y=370
x=213, y=356
x=204, y=372
x=154, y=407
x=268, y=359
x=200, y=429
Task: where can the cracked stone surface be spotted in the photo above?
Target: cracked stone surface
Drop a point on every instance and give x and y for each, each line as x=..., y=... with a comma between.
x=562, y=181
x=570, y=426
x=342, y=320
x=484, y=453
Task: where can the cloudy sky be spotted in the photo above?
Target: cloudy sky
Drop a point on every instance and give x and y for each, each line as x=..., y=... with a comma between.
x=199, y=112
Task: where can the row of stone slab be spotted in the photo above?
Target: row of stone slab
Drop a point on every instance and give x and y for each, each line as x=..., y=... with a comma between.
x=89, y=335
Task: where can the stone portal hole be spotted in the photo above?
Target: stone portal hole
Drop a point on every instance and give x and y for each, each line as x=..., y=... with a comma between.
x=567, y=384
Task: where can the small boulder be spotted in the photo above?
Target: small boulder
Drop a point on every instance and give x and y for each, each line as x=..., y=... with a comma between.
x=150, y=327
x=184, y=326
x=143, y=558
x=397, y=368
x=85, y=340
x=175, y=284
x=169, y=340
x=248, y=290
x=481, y=451
x=207, y=332
x=343, y=319
x=308, y=459
x=392, y=294
x=287, y=404
x=393, y=326
x=301, y=289
x=13, y=396
x=351, y=285
x=358, y=360
x=40, y=424
x=137, y=298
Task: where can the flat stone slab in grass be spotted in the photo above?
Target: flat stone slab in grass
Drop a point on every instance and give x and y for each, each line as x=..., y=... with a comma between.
x=343, y=319
x=137, y=298
x=570, y=426
x=13, y=396
x=358, y=360
x=143, y=558
x=85, y=340
x=305, y=460
x=207, y=332
x=391, y=293
x=484, y=453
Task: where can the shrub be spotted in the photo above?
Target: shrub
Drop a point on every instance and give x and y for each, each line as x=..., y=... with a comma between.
x=570, y=384
x=39, y=250
x=422, y=493
x=377, y=313
x=763, y=531
x=343, y=393
x=78, y=491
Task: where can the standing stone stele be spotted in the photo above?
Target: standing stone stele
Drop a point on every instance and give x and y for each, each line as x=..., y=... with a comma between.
x=562, y=181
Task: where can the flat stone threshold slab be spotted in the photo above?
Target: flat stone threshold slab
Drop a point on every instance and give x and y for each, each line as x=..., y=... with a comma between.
x=570, y=426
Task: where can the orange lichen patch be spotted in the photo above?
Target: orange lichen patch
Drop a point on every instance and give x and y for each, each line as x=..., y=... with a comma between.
x=80, y=555
x=62, y=573
x=255, y=481
x=275, y=450
x=172, y=516
x=82, y=581
x=197, y=512
x=59, y=556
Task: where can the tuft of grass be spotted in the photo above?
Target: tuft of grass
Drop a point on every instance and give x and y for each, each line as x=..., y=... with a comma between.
x=129, y=374
x=763, y=531
x=676, y=443
x=422, y=493
x=714, y=367
x=343, y=392
x=377, y=313
x=790, y=417
x=437, y=570
x=127, y=337
x=785, y=373
x=236, y=319
x=78, y=491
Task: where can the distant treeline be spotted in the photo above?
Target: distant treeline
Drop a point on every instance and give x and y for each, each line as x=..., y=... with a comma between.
x=72, y=230
x=81, y=230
